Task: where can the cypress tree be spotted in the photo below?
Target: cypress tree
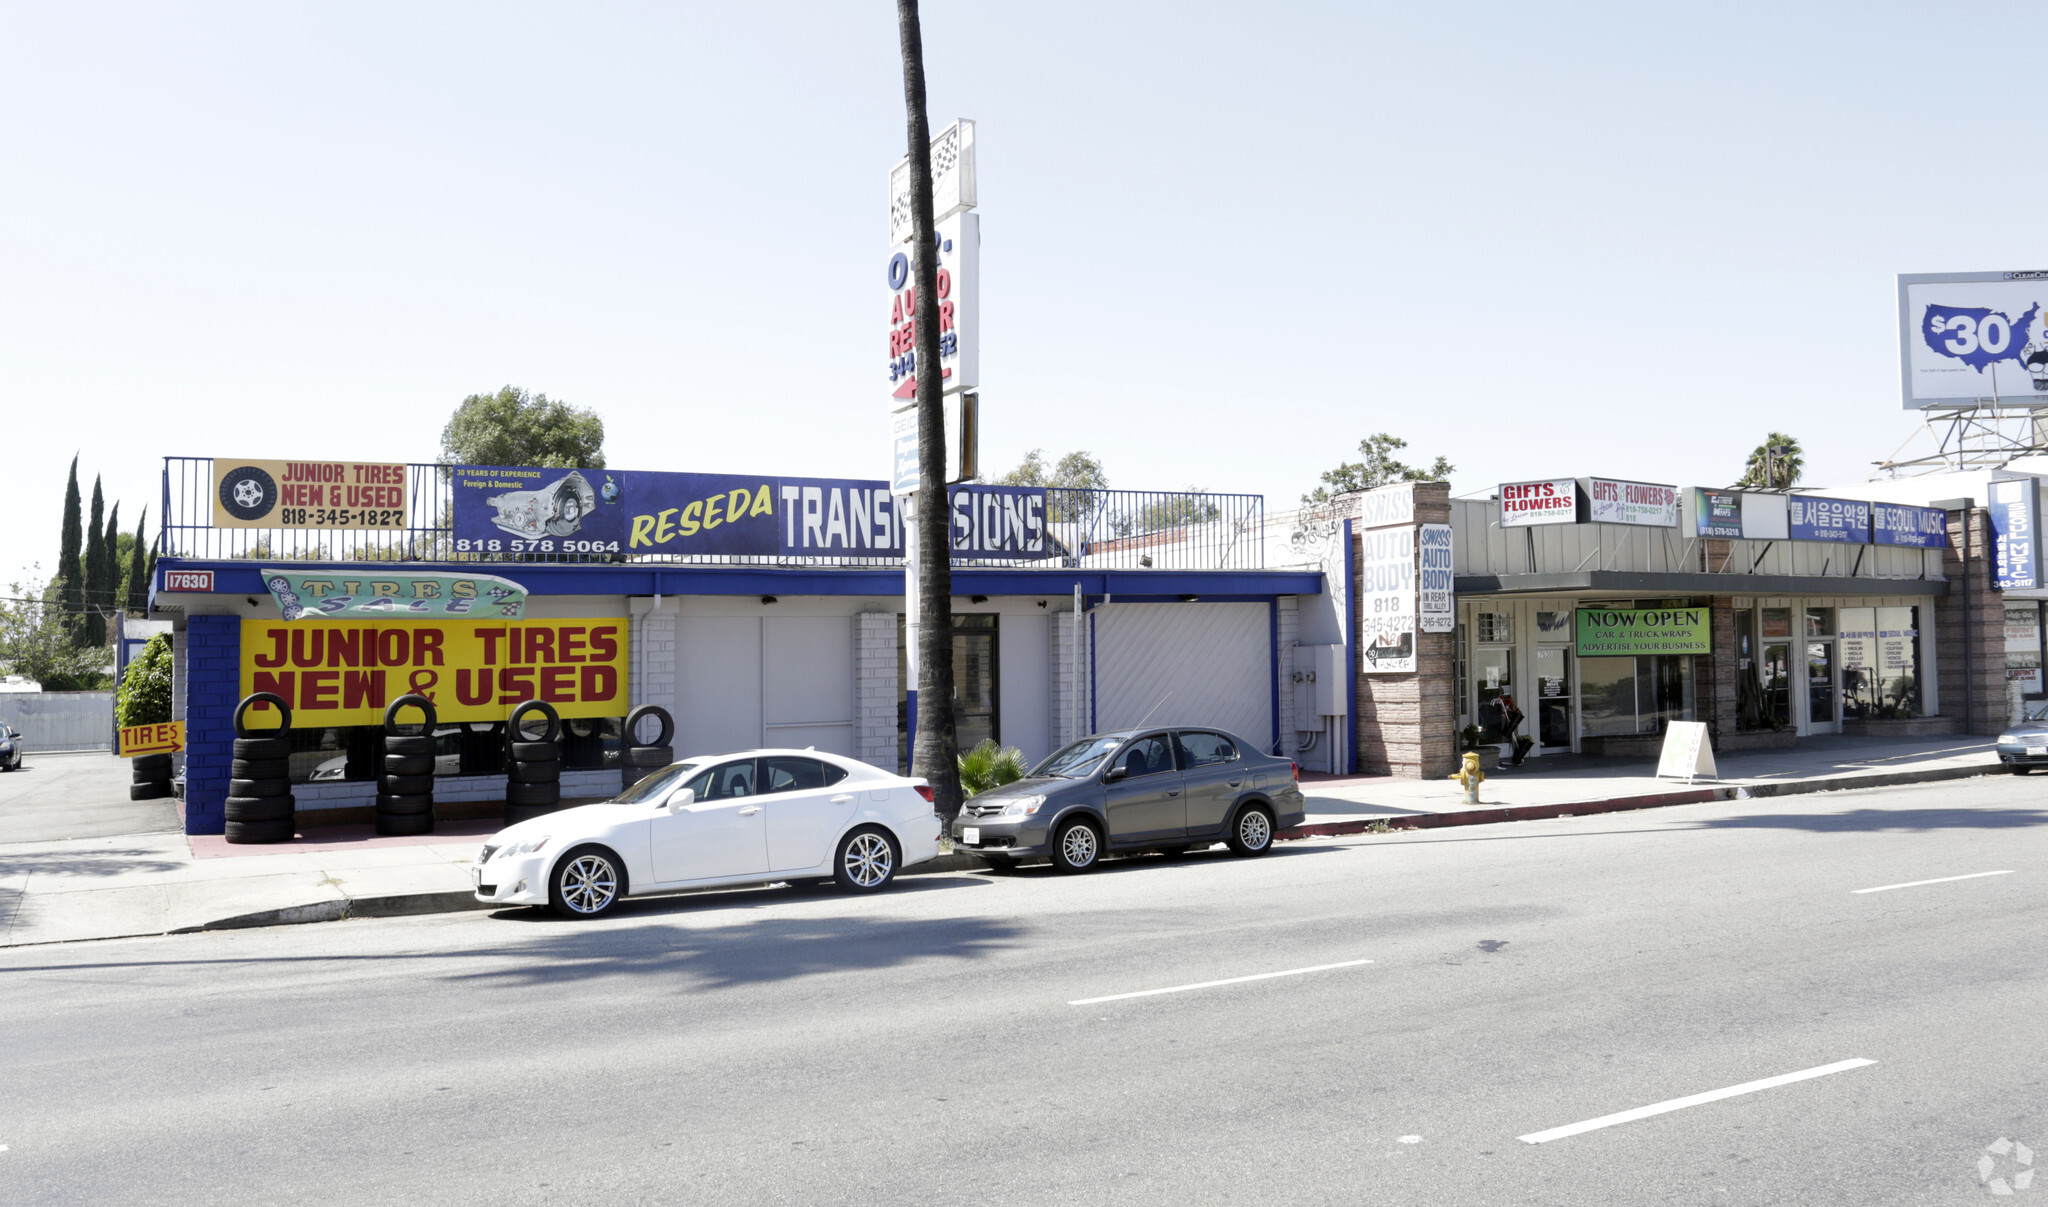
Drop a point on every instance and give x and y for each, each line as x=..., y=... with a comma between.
x=92, y=626
x=107, y=594
x=136, y=592
x=70, y=592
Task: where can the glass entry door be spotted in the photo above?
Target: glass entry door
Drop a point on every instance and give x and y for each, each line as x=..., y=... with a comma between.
x=975, y=681
x=1823, y=704
x=1554, y=729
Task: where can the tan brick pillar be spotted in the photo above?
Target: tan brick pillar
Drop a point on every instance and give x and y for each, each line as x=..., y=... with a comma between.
x=1404, y=722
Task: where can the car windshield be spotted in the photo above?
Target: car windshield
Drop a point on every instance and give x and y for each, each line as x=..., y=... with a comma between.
x=1079, y=759
x=656, y=785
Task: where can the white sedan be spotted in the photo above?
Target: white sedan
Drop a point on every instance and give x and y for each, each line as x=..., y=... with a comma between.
x=714, y=820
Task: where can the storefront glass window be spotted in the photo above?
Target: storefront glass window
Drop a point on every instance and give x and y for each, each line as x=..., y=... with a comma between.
x=1554, y=626
x=1495, y=628
x=1607, y=696
x=1663, y=692
x=1897, y=671
x=1461, y=668
x=1777, y=623
x=1820, y=622
x=1493, y=670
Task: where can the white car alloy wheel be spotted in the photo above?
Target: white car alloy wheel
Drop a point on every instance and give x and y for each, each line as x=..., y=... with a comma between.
x=586, y=885
x=867, y=861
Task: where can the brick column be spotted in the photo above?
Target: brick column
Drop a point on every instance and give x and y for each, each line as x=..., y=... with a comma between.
x=1719, y=671
x=874, y=689
x=1405, y=724
x=1979, y=692
x=213, y=685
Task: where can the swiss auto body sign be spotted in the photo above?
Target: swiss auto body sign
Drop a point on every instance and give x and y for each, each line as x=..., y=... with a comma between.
x=1386, y=601
x=1546, y=501
x=344, y=672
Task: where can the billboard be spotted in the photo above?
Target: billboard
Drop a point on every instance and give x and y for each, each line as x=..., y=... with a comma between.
x=250, y=492
x=1973, y=337
x=1548, y=501
x=1901, y=524
x=1610, y=501
x=1717, y=513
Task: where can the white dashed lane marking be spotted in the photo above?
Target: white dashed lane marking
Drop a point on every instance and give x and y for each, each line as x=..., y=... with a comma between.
x=1679, y=1104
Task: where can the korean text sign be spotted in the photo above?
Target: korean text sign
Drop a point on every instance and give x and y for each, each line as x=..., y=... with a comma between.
x=2015, y=534
x=1845, y=521
x=344, y=672
x=1899, y=524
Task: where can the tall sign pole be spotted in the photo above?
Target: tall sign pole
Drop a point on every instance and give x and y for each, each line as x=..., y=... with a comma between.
x=934, y=749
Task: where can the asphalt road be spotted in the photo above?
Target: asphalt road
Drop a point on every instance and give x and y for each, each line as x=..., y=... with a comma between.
x=57, y=796
x=794, y=1046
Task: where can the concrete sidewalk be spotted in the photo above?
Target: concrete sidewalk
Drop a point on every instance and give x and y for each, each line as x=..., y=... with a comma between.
x=1548, y=787
x=157, y=883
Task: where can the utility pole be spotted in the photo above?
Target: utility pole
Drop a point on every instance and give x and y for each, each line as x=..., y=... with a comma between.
x=934, y=748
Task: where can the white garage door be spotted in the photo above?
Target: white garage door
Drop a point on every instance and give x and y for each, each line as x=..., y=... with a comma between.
x=743, y=682
x=1185, y=664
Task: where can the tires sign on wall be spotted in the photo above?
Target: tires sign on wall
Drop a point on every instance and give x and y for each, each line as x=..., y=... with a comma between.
x=252, y=493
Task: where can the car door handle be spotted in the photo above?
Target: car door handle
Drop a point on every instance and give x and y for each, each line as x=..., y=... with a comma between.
x=750, y=810
x=1235, y=783
x=1173, y=792
x=842, y=798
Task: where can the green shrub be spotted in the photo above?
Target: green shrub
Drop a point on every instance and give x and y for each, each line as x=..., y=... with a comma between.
x=145, y=695
x=989, y=766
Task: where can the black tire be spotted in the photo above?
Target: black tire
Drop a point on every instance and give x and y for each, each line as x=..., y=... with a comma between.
x=408, y=745
x=408, y=764
x=650, y=758
x=631, y=730
x=275, y=785
x=262, y=748
x=999, y=863
x=588, y=882
x=404, y=805
x=277, y=702
x=261, y=831
x=150, y=775
x=407, y=785
x=533, y=794
x=151, y=762
x=535, y=771
x=248, y=492
x=536, y=752
x=153, y=790
x=513, y=728
x=431, y=719
x=867, y=860
x=1073, y=853
x=1251, y=831
x=514, y=814
x=400, y=824
x=259, y=808
x=2018, y=770
x=259, y=769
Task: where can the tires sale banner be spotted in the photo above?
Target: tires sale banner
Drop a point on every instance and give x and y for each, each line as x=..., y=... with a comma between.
x=344, y=672
x=251, y=493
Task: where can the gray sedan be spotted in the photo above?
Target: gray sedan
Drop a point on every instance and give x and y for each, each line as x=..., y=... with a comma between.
x=2023, y=746
x=1173, y=789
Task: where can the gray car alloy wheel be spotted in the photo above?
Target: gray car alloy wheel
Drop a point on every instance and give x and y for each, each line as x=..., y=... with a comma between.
x=1254, y=832
x=589, y=885
x=1078, y=846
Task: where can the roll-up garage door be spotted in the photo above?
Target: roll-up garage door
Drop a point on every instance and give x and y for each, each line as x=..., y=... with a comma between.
x=1185, y=664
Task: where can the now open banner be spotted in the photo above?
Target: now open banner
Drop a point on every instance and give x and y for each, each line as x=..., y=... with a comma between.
x=344, y=672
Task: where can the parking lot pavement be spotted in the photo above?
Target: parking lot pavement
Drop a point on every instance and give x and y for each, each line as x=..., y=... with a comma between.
x=58, y=796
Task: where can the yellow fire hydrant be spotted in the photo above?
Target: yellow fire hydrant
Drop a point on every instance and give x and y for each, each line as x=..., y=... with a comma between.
x=1470, y=775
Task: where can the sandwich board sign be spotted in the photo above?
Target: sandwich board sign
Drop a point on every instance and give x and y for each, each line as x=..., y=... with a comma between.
x=1687, y=752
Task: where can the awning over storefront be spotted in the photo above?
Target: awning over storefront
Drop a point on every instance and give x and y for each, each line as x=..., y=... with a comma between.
x=1628, y=582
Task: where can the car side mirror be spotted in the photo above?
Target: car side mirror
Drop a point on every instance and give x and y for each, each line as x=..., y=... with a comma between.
x=1114, y=774
x=681, y=798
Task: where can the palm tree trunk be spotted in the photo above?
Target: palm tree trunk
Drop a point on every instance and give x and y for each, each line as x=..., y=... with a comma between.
x=935, y=752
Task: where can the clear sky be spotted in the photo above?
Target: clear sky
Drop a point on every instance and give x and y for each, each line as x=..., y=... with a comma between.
x=1221, y=243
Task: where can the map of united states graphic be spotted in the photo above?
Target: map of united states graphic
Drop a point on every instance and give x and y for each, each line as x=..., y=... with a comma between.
x=1979, y=336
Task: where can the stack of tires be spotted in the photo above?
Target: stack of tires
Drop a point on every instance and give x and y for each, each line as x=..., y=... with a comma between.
x=152, y=774
x=260, y=799
x=405, y=791
x=642, y=759
x=533, y=775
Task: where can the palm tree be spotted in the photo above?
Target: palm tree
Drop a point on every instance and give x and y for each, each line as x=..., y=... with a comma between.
x=1775, y=464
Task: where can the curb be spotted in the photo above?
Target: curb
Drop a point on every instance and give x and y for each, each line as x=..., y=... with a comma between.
x=1623, y=804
